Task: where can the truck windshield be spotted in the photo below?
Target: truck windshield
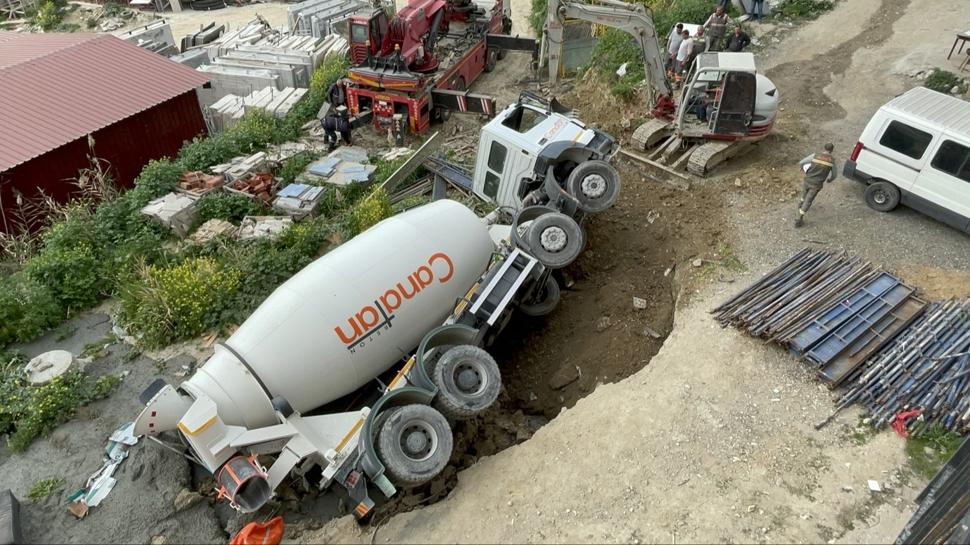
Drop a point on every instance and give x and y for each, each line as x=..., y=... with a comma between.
x=358, y=33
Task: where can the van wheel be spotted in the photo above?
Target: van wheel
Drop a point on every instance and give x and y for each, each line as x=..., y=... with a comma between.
x=882, y=196
x=415, y=443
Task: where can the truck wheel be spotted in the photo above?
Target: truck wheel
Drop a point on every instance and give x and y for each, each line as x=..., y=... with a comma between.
x=555, y=240
x=441, y=114
x=468, y=381
x=595, y=184
x=415, y=444
x=882, y=196
x=546, y=299
x=491, y=57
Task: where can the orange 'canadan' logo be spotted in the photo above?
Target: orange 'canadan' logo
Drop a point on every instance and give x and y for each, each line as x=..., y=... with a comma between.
x=377, y=316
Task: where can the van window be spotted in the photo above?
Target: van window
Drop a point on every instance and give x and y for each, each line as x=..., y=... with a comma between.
x=491, y=184
x=954, y=159
x=496, y=157
x=907, y=140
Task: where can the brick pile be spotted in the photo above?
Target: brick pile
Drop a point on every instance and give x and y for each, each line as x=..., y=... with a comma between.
x=259, y=185
x=199, y=183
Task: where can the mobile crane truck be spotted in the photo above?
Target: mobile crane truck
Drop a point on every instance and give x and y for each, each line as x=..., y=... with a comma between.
x=429, y=287
x=421, y=62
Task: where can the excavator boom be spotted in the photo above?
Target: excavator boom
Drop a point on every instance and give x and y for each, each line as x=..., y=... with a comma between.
x=628, y=17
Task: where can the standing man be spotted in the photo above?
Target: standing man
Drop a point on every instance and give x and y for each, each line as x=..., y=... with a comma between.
x=758, y=10
x=336, y=122
x=683, y=53
x=716, y=26
x=673, y=45
x=738, y=40
x=819, y=169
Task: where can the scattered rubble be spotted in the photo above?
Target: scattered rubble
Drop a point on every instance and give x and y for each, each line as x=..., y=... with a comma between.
x=212, y=229
x=199, y=183
x=239, y=167
x=177, y=211
x=253, y=227
x=261, y=186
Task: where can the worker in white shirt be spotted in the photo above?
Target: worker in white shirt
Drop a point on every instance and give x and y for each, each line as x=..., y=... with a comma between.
x=684, y=52
x=673, y=45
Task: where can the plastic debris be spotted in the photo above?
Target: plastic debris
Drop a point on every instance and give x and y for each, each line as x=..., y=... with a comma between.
x=102, y=481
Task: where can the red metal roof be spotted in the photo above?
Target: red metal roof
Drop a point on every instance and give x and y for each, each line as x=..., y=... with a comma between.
x=56, y=88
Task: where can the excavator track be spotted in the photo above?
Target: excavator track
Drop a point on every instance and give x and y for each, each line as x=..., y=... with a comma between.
x=651, y=133
x=710, y=154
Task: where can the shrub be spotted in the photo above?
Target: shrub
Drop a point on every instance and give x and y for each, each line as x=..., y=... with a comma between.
x=943, y=80
x=256, y=129
x=27, y=309
x=74, y=275
x=228, y=206
x=167, y=304
x=49, y=14
x=368, y=212
x=537, y=15
x=332, y=69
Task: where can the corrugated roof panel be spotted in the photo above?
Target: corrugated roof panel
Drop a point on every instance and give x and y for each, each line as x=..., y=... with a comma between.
x=51, y=99
x=944, y=111
x=20, y=47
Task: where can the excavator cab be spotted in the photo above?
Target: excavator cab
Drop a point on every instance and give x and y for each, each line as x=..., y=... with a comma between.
x=727, y=83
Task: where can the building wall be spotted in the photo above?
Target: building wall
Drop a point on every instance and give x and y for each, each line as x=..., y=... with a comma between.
x=127, y=146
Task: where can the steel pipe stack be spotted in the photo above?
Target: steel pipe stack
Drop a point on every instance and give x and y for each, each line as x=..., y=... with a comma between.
x=927, y=368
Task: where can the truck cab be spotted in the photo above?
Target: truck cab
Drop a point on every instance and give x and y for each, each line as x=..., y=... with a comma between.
x=533, y=153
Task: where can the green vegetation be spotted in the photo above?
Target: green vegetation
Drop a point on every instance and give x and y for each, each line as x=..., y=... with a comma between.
x=615, y=47
x=48, y=14
x=100, y=243
x=231, y=207
x=942, y=81
x=43, y=489
x=804, y=9
x=930, y=450
x=29, y=412
x=294, y=166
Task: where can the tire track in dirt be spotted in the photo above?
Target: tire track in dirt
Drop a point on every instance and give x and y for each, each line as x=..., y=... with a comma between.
x=803, y=83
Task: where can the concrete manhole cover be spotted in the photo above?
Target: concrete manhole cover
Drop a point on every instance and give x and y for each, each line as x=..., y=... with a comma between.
x=48, y=365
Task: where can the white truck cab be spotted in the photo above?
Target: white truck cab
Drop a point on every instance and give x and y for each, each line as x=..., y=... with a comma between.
x=916, y=151
x=533, y=153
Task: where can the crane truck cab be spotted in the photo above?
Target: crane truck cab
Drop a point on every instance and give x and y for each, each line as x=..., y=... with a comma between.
x=532, y=153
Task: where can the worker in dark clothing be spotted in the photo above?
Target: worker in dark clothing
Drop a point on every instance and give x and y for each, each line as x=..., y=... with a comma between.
x=336, y=122
x=737, y=41
x=819, y=169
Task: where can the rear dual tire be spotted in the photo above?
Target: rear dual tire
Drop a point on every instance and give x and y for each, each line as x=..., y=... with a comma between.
x=414, y=442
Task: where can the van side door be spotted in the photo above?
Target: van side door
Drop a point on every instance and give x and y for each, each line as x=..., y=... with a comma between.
x=945, y=181
x=896, y=152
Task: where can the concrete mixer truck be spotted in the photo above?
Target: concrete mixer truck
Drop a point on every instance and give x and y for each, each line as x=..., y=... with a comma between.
x=427, y=288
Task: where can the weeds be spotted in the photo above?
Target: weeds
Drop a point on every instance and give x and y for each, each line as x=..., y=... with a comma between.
x=804, y=9
x=929, y=451
x=942, y=81
x=29, y=412
x=43, y=489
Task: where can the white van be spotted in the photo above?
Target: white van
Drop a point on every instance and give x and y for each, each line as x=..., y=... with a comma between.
x=916, y=151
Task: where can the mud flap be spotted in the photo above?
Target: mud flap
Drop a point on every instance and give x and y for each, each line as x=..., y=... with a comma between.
x=463, y=102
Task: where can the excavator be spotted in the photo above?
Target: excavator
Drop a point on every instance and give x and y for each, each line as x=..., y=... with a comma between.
x=741, y=103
